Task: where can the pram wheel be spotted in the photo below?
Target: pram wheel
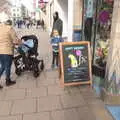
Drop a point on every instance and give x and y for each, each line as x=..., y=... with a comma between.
x=18, y=72
x=36, y=74
x=42, y=65
x=38, y=68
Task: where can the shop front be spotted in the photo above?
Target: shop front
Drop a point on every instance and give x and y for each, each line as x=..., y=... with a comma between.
x=102, y=32
x=97, y=20
x=91, y=21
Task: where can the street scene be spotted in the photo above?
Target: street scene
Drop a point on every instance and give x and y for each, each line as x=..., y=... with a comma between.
x=58, y=60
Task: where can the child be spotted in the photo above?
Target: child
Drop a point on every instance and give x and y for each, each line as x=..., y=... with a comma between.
x=26, y=46
x=56, y=39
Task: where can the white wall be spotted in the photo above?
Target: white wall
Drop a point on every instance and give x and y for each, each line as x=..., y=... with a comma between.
x=16, y=11
x=61, y=6
x=49, y=15
x=3, y=17
x=70, y=19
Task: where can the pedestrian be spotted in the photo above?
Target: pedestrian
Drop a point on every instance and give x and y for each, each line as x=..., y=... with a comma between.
x=56, y=39
x=28, y=24
x=7, y=40
x=57, y=24
x=38, y=24
x=18, y=23
x=43, y=24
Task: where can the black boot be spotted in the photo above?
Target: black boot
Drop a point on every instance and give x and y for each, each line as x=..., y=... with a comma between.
x=1, y=87
x=9, y=82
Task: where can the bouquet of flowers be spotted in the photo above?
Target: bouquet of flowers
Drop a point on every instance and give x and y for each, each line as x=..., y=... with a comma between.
x=101, y=53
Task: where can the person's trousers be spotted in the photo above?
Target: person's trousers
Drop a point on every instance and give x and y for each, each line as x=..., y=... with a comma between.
x=55, y=58
x=5, y=65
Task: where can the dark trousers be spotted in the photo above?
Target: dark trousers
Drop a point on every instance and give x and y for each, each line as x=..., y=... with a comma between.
x=88, y=29
x=5, y=65
x=55, y=58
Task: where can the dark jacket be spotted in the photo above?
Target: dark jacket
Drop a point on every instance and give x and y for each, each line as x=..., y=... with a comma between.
x=58, y=25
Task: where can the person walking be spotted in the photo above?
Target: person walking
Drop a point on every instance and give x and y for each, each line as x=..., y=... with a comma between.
x=28, y=24
x=43, y=24
x=7, y=40
x=57, y=24
x=38, y=24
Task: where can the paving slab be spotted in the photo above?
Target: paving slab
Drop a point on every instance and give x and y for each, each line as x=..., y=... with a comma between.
x=24, y=106
x=53, y=74
x=2, y=94
x=73, y=89
x=56, y=90
x=45, y=82
x=49, y=103
x=14, y=94
x=36, y=92
x=37, y=116
x=26, y=83
x=18, y=117
x=69, y=114
x=85, y=113
x=5, y=107
x=70, y=101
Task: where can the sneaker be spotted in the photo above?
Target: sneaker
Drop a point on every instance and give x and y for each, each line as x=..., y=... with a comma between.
x=52, y=66
x=1, y=87
x=9, y=83
x=55, y=66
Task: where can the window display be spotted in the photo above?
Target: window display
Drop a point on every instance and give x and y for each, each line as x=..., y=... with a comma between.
x=103, y=30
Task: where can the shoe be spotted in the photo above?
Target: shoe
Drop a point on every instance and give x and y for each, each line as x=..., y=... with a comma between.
x=9, y=82
x=55, y=66
x=52, y=66
x=1, y=87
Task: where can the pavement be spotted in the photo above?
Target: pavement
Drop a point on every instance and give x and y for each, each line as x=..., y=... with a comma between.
x=43, y=98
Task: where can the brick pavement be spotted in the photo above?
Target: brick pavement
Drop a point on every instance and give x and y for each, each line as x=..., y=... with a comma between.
x=44, y=99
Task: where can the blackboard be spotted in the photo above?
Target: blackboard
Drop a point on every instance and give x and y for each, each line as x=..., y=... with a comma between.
x=75, y=63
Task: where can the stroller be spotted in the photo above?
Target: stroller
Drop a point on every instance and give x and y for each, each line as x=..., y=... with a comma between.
x=26, y=59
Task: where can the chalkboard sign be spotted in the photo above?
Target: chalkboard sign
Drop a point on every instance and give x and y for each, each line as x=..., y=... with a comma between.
x=75, y=63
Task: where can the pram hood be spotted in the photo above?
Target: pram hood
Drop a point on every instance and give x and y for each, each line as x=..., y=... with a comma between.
x=29, y=43
x=32, y=42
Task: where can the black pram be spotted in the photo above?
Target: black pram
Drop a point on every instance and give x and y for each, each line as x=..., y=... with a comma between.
x=26, y=58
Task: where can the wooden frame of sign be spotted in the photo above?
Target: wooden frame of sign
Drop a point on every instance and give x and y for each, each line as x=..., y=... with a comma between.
x=78, y=46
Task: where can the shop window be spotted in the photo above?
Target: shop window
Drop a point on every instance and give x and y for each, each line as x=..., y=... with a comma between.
x=102, y=32
x=14, y=15
x=13, y=10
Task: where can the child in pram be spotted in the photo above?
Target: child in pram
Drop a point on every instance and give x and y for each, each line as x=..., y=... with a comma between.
x=26, y=46
x=27, y=58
